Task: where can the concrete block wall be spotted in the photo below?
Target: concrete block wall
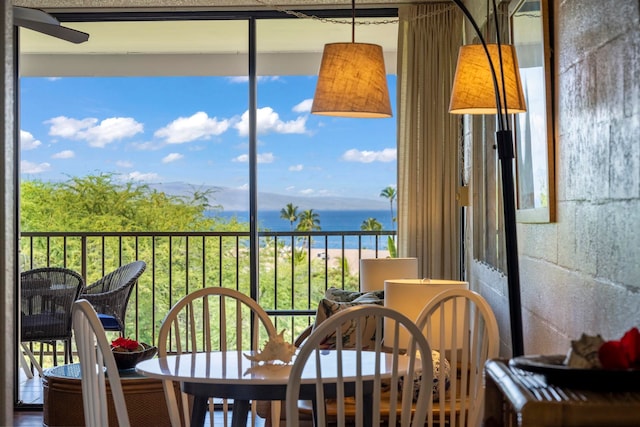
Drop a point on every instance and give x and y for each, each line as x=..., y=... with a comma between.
x=582, y=273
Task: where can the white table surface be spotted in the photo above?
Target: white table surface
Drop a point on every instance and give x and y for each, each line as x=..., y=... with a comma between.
x=233, y=367
x=230, y=374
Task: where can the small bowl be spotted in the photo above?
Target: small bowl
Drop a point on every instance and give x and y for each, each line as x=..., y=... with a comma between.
x=129, y=359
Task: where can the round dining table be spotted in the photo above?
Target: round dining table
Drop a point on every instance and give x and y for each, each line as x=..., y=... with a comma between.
x=232, y=375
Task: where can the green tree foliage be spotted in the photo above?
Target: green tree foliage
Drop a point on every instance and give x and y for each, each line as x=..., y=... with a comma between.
x=390, y=194
x=391, y=244
x=309, y=221
x=371, y=224
x=103, y=203
x=176, y=264
x=289, y=213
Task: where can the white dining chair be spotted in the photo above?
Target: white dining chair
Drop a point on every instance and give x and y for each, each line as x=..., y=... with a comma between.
x=409, y=390
x=473, y=338
x=94, y=352
x=211, y=319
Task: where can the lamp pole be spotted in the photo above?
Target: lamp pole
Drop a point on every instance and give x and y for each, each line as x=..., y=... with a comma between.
x=504, y=143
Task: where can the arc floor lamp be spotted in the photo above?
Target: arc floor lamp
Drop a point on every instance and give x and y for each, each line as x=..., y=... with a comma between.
x=502, y=83
x=352, y=83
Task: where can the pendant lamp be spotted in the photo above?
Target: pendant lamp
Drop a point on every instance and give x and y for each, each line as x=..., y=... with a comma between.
x=352, y=81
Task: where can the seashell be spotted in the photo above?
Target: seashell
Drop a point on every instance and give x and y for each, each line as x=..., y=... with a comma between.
x=275, y=348
x=583, y=353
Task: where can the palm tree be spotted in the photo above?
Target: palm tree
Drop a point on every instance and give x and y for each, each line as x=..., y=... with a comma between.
x=390, y=193
x=289, y=213
x=309, y=221
x=371, y=224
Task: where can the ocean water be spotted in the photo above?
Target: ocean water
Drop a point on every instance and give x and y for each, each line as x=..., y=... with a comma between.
x=329, y=220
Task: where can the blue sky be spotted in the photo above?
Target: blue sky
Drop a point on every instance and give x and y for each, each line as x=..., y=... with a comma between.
x=194, y=130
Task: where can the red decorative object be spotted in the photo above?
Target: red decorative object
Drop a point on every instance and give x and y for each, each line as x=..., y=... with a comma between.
x=124, y=344
x=128, y=352
x=622, y=354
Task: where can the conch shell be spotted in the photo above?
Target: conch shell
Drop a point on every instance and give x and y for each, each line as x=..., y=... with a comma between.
x=583, y=353
x=275, y=348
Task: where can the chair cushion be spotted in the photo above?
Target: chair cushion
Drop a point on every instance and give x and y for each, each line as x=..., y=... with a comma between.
x=341, y=295
x=338, y=299
x=438, y=364
x=44, y=325
x=109, y=323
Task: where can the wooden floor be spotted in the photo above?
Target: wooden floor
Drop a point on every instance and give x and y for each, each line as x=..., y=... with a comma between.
x=27, y=419
x=34, y=418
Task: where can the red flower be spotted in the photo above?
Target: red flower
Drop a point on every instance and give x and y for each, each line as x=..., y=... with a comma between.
x=124, y=343
x=631, y=347
x=623, y=354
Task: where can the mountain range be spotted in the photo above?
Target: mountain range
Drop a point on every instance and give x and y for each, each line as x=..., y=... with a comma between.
x=234, y=199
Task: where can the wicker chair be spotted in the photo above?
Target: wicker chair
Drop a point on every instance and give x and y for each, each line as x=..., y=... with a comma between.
x=47, y=297
x=110, y=295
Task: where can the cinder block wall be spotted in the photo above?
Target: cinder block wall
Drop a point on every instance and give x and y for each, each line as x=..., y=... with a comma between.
x=582, y=273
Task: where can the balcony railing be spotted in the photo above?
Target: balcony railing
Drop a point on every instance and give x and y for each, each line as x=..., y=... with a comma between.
x=295, y=268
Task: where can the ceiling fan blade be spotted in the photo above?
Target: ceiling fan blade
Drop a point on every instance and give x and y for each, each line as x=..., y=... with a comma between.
x=42, y=22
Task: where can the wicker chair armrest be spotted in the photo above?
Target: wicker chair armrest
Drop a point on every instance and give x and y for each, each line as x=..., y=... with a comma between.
x=111, y=303
x=109, y=295
x=90, y=289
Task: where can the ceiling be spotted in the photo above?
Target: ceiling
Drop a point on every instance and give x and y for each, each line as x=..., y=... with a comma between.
x=196, y=47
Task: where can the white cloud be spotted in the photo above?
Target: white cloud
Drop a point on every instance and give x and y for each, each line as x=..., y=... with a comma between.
x=306, y=191
x=386, y=155
x=65, y=154
x=244, y=187
x=27, y=141
x=290, y=188
x=262, y=158
x=304, y=106
x=67, y=127
x=172, y=157
x=296, y=168
x=269, y=121
x=266, y=158
x=124, y=164
x=96, y=134
x=139, y=176
x=29, y=167
x=187, y=129
x=147, y=145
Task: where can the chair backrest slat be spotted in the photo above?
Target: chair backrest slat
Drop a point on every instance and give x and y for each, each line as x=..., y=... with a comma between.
x=466, y=309
x=95, y=355
x=354, y=379
x=211, y=319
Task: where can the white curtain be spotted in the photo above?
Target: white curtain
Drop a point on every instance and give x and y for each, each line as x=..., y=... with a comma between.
x=428, y=139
